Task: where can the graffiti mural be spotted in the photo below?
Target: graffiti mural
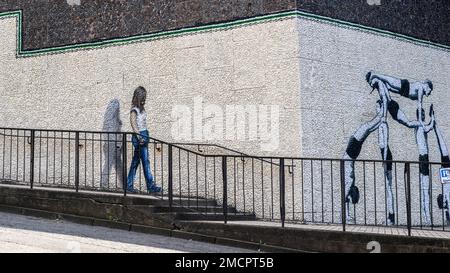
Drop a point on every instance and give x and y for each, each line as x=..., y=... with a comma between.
x=415, y=91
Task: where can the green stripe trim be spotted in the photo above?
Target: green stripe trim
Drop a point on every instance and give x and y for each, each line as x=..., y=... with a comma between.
x=214, y=27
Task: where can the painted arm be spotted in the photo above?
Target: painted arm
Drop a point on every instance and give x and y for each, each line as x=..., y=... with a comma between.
x=420, y=106
x=432, y=122
x=385, y=98
x=134, y=126
x=133, y=121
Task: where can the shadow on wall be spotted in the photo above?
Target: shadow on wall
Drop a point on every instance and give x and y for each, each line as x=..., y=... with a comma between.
x=112, y=144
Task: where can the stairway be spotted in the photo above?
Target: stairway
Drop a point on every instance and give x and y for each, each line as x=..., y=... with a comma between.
x=135, y=209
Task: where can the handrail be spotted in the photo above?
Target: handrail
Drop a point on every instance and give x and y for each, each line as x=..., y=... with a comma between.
x=241, y=154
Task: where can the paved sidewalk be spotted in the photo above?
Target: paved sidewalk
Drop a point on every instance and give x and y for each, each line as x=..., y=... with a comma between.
x=20, y=233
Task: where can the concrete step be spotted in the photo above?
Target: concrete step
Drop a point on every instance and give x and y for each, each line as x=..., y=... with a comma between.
x=194, y=216
x=165, y=208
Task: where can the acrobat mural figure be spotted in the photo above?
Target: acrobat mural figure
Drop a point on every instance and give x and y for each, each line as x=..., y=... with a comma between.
x=422, y=131
x=414, y=91
x=384, y=84
x=417, y=91
x=354, y=148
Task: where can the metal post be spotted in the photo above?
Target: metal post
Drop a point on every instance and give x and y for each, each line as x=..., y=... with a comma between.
x=77, y=161
x=282, y=193
x=32, y=159
x=170, y=178
x=124, y=163
x=343, y=208
x=225, y=191
x=408, y=196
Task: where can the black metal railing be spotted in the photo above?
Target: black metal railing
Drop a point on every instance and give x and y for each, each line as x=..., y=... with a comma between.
x=233, y=184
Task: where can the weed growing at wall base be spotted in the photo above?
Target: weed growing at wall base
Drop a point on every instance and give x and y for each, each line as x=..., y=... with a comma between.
x=212, y=122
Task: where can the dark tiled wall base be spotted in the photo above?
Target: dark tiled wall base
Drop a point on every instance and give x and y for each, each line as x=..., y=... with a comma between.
x=49, y=23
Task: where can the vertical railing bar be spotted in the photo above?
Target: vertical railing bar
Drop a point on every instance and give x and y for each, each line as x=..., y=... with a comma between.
x=312, y=190
x=282, y=193
x=100, y=163
x=354, y=210
x=235, y=184
x=124, y=163
x=196, y=178
x=420, y=200
x=214, y=179
x=365, y=193
x=225, y=189
x=116, y=164
x=108, y=155
x=253, y=185
x=68, y=159
x=396, y=194
x=431, y=196
x=262, y=188
x=162, y=171
x=332, y=192
x=62, y=156
x=54, y=157
x=24, y=155
x=243, y=182
x=343, y=197
x=85, y=160
x=92, y=161
x=375, y=191
x=77, y=161
x=442, y=210
x=321, y=187
x=189, y=183
x=170, y=178
x=386, y=215
x=206, y=185
x=303, y=193
x=46, y=158
x=293, y=190
x=408, y=195
x=10, y=154
x=271, y=187
x=154, y=164
x=179, y=173
x=40, y=156
x=3, y=157
x=32, y=158
x=17, y=156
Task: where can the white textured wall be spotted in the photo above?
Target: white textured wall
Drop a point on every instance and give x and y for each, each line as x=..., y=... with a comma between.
x=255, y=65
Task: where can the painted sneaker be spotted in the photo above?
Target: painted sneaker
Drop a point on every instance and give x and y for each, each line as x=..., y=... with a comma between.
x=391, y=219
x=132, y=190
x=354, y=194
x=154, y=189
x=440, y=201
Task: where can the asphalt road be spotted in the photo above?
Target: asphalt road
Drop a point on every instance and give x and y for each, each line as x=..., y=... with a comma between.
x=25, y=234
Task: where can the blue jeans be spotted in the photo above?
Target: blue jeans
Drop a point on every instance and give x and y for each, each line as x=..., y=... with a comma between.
x=140, y=154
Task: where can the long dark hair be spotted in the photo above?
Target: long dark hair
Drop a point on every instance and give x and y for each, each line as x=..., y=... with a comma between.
x=139, y=95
